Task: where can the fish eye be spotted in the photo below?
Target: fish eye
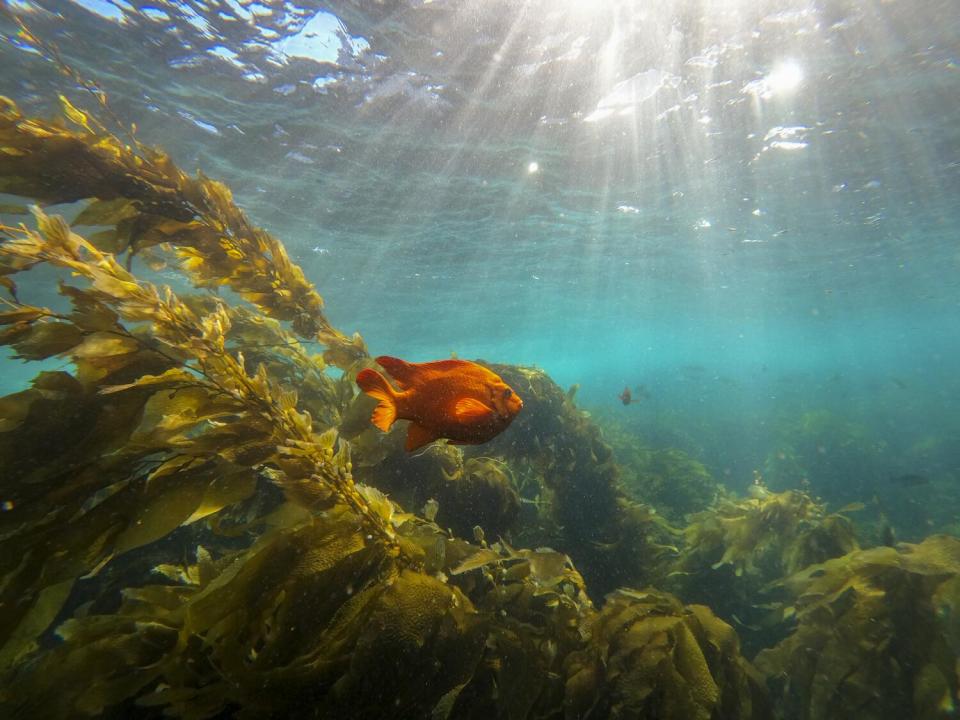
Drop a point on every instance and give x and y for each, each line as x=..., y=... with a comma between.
x=507, y=393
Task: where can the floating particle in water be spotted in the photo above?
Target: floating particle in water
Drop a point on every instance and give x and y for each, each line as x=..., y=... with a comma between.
x=788, y=145
x=533, y=168
x=205, y=126
x=299, y=157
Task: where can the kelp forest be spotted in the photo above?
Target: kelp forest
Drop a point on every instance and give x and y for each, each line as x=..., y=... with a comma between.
x=199, y=520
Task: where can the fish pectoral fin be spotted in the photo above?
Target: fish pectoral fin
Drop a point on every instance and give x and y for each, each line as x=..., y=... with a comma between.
x=418, y=436
x=470, y=410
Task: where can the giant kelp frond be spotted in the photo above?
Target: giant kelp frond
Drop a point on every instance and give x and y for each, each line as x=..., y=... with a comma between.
x=145, y=200
x=307, y=619
x=311, y=618
x=288, y=438
x=770, y=537
x=161, y=426
x=877, y=637
x=733, y=551
x=651, y=657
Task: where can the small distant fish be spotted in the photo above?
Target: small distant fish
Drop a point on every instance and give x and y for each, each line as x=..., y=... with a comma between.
x=910, y=480
x=851, y=508
x=758, y=488
x=626, y=397
x=438, y=553
x=740, y=622
x=430, y=509
x=887, y=535
x=453, y=399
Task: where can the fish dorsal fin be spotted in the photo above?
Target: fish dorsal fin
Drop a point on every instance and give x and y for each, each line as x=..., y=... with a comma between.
x=451, y=364
x=400, y=370
x=418, y=436
x=471, y=410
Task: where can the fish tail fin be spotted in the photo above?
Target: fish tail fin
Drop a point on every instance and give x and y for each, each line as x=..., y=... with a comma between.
x=376, y=386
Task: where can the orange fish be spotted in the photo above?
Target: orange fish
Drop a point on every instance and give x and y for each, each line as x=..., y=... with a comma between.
x=454, y=399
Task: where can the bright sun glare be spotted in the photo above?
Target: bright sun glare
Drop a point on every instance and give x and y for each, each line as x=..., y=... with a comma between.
x=785, y=77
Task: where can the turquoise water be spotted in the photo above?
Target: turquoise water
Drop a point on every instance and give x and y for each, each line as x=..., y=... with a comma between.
x=750, y=209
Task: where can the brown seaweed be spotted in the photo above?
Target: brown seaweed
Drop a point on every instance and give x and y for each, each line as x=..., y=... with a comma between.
x=145, y=201
x=650, y=657
x=734, y=551
x=877, y=635
x=160, y=426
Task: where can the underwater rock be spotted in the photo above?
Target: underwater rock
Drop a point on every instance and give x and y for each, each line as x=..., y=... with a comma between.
x=588, y=514
x=470, y=491
x=670, y=480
